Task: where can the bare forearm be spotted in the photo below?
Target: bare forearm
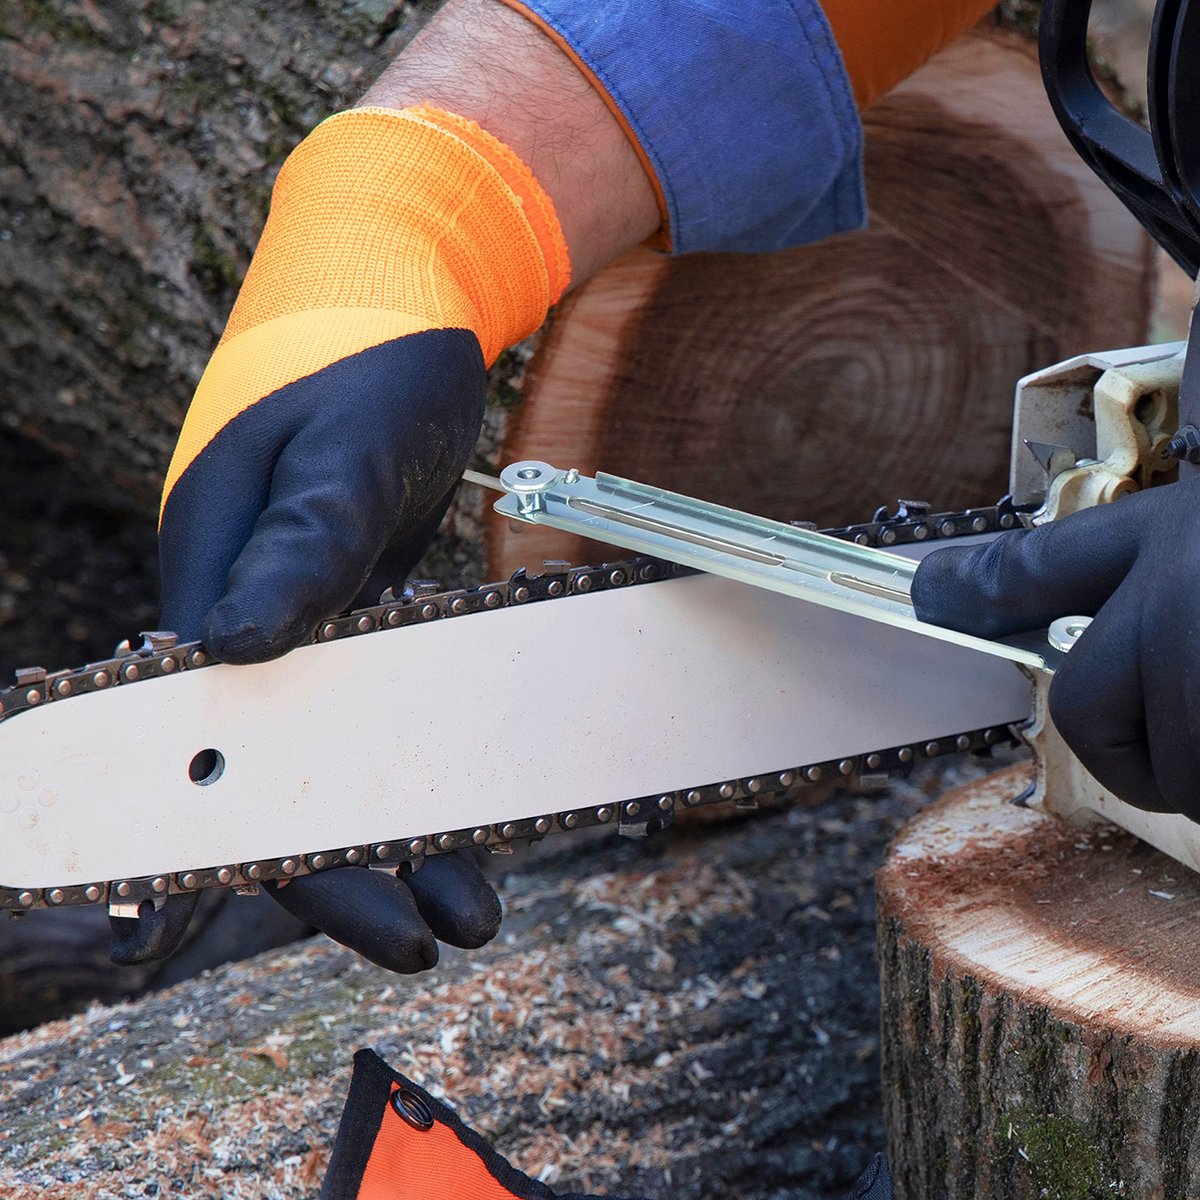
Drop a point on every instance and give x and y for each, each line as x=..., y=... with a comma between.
x=485, y=61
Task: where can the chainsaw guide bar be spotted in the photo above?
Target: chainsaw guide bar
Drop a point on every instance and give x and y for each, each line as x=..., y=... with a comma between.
x=49, y=874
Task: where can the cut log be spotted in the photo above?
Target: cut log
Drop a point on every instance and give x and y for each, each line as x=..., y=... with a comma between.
x=818, y=383
x=1041, y=1007
x=689, y=1017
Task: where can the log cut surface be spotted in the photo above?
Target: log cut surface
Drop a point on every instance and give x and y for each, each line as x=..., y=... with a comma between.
x=1041, y=1007
x=691, y=1016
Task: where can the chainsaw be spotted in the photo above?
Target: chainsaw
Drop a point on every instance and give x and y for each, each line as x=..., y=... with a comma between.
x=730, y=659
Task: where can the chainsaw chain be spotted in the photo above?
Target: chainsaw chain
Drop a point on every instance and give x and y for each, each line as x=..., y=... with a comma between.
x=161, y=654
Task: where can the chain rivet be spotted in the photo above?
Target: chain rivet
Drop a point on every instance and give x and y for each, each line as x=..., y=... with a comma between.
x=33, y=696
x=169, y=665
x=521, y=594
x=787, y=778
x=480, y=836
x=459, y=606
x=962, y=742
x=444, y=841
x=353, y=856
x=25, y=899
x=726, y=791
x=254, y=871
x=846, y=766
x=383, y=850
x=317, y=861
x=55, y=896
x=754, y=786
x=92, y=892
x=542, y=825
x=123, y=888
x=63, y=687
x=666, y=803
x=508, y=832
x=583, y=583
x=289, y=866
x=932, y=749
x=874, y=761
x=604, y=815
x=904, y=754
x=428, y=612
x=224, y=875
x=188, y=880
x=813, y=774
x=329, y=630
x=693, y=797
x=570, y=820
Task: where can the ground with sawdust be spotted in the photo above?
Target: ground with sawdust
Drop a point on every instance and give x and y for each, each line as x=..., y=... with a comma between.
x=691, y=1016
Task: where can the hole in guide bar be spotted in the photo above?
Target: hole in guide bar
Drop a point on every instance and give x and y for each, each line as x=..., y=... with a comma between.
x=206, y=767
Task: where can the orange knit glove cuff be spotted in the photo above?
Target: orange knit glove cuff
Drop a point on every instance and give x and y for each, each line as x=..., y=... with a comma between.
x=413, y=210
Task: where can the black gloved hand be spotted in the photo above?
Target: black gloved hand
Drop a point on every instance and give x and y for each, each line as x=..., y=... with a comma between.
x=1127, y=698
x=404, y=250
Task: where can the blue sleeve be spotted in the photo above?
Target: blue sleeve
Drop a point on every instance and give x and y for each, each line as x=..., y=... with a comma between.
x=742, y=108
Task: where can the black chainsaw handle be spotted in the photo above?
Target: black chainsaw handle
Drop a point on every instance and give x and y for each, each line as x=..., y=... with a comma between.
x=1155, y=172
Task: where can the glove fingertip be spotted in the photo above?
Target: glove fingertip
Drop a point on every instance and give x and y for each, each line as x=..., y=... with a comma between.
x=948, y=590
x=152, y=935
x=232, y=636
x=476, y=925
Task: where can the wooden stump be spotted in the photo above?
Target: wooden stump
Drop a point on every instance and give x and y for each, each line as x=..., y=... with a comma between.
x=1041, y=1007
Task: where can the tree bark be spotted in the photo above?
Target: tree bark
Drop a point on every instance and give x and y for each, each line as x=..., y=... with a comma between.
x=138, y=144
x=1039, y=999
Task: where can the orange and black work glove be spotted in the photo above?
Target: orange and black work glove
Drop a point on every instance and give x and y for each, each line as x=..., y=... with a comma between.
x=396, y=1142
x=404, y=250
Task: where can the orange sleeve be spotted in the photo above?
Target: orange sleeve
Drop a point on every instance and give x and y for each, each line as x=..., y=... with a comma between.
x=885, y=41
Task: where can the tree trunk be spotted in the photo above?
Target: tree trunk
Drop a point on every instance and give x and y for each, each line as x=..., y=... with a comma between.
x=1040, y=1031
